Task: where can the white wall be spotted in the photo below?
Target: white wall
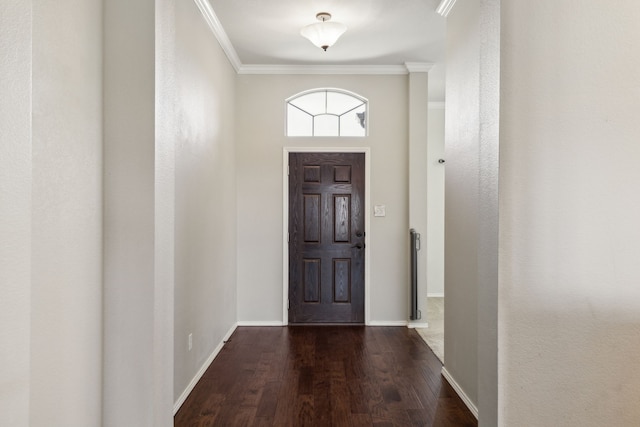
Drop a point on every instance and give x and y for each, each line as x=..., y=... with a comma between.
x=569, y=208
x=418, y=180
x=205, y=227
x=15, y=211
x=164, y=215
x=260, y=141
x=462, y=140
x=66, y=280
x=133, y=381
x=434, y=238
x=51, y=176
x=488, y=245
x=51, y=214
x=471, y=206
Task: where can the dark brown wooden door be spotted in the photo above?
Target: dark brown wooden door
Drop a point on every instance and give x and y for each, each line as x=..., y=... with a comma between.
x=326, y=238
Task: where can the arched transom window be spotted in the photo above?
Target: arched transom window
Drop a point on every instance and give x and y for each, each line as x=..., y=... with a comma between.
x=326, y=112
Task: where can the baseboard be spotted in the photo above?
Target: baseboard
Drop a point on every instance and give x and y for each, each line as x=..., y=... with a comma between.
x=260, y=323
x=387, y=323
x=413, y=325
x=187, y=391
x=371, y=323
x=435, y=294
x=461, y=393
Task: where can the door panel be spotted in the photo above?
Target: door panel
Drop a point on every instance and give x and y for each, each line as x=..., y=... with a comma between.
x=326, y=238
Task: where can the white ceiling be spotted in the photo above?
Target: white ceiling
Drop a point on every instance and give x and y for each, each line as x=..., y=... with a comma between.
x=380, y=33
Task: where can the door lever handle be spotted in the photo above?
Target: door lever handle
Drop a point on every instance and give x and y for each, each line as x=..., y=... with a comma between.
x=358, y=246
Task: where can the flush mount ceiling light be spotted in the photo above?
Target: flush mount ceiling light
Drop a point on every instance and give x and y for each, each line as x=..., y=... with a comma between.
x=324, y=33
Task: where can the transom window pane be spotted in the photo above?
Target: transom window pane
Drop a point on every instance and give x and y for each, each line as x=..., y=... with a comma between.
x=352, y=123
x=325, y=125
x=312, y=103
x=299, y=121
x=338, y=103
x=327, y=112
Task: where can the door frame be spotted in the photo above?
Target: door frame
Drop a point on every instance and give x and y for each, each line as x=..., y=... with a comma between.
x=285, y=220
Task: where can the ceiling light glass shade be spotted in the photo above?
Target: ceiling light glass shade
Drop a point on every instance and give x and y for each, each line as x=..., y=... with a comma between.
x=323, y=34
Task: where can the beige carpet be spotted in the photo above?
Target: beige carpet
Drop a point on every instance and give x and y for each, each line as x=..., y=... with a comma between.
x=434, y=334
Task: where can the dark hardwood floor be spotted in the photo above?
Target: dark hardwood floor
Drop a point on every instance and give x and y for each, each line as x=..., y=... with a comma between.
x=324, y=376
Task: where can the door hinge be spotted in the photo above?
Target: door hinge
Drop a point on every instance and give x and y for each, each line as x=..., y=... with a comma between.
x=287, y=237
x=288, y=305
x=287, y=170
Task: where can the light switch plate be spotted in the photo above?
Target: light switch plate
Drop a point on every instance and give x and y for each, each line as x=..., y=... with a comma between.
x=379, y=210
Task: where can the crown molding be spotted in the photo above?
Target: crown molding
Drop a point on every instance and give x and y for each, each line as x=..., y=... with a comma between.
x=418, y=67
x=216, y=27
x=322, y=69
x=221, y=35
x=445, y=6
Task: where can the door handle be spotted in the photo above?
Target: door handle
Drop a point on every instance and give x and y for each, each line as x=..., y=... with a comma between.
x=358, y=246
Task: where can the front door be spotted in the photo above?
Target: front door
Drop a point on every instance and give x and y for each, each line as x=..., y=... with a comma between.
x=326, y=238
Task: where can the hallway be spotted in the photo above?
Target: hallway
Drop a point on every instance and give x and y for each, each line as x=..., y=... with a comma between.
x=142, y=188
x=324, y=376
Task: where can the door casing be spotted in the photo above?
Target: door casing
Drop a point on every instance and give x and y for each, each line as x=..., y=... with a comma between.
x=285, y=221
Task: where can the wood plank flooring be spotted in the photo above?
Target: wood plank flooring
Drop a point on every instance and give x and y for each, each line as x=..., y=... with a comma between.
x=324, y=376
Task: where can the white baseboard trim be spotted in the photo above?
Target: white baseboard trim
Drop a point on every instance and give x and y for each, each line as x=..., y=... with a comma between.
x=187, y=391
x=413, y=325
x=447, y=376
x=260, y=323
x=387, y=323
x=435, y=294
